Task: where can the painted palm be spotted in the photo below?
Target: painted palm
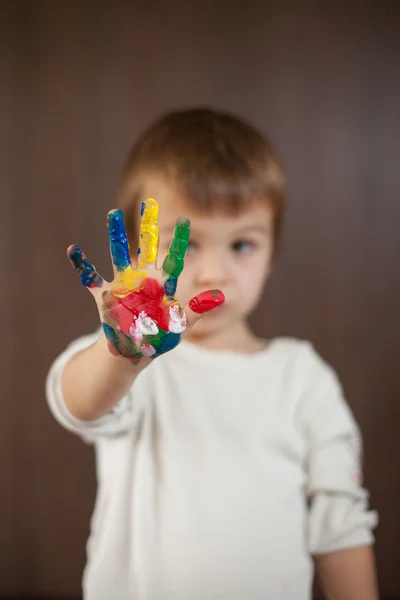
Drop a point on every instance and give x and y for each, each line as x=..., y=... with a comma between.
x=139, y=312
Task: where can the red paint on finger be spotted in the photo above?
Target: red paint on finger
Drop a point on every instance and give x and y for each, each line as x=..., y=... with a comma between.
x=149, y=298
x=206, y=301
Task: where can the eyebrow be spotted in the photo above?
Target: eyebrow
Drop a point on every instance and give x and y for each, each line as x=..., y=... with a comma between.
x=166, y=230
x=258, y=228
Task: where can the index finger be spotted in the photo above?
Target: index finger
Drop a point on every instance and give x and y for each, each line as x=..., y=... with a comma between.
x=119, y=245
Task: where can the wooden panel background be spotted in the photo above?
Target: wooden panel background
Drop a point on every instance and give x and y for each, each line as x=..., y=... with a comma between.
x=78, y=82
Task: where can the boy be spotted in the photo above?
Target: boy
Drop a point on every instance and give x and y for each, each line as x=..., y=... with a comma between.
x=229, y=461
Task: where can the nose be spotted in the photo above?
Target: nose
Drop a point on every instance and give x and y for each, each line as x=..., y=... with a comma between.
x=212, y=271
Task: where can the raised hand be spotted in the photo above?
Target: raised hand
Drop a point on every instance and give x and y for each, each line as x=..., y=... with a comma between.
x=139, y=313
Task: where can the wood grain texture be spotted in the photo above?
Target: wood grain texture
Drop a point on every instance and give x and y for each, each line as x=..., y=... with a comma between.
x=79, y=81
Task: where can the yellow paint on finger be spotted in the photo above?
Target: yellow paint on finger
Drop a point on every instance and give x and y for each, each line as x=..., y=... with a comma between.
x=128, y=281
x=148, y=243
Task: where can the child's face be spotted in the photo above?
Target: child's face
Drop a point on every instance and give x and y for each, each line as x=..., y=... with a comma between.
x=230, y=253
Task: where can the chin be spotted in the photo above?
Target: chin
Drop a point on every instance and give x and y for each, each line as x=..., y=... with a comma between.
x=210, y=322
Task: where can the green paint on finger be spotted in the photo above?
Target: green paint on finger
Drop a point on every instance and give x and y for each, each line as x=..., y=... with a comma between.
x=174, y=261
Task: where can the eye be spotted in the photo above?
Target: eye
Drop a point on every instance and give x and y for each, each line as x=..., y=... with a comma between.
x=192, y=247
x=243, y=246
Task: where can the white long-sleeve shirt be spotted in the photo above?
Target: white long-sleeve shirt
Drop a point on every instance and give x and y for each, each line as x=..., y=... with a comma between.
x=219, y=475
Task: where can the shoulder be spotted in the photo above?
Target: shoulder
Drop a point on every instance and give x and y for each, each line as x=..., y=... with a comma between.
x=311, y=380
x=319, y=398
x=300, y=356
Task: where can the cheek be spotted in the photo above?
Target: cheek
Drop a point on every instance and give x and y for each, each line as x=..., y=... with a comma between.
x=162, y=253
x=251, y=277
x=184, y=290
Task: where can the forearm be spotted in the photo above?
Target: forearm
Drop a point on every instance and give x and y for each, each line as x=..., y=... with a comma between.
x=94, y=380
x=348, y=574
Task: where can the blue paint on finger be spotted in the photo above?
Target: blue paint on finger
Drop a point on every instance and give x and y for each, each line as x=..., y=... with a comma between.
x=118, y=240
x=170, y=285
x=168, y=342
x=86, y=271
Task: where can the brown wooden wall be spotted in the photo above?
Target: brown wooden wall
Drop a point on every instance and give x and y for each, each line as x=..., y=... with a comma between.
x=78, y=80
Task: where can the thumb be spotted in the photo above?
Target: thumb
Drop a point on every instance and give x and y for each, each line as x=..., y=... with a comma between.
x=202, y=303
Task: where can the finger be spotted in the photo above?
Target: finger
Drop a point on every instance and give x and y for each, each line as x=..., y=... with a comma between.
x=148, y=237
x=202, y=303
x=119, y=246
x=86, y=271
x=170, y=286
x=174, y=261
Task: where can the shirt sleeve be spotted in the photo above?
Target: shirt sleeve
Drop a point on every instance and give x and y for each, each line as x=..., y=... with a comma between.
x=339, y=516
x=119, y=420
